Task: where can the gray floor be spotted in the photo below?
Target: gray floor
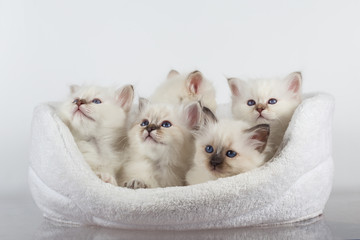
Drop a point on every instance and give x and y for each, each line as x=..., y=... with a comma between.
x=21, y=219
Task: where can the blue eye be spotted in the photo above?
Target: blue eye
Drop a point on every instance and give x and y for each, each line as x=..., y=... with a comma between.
x=209, y=149
x=272, y=101
x=231, y=153
x=96, y=101
x=144, y=123
x=166, y=124
x=251, y=102
x=76, y=100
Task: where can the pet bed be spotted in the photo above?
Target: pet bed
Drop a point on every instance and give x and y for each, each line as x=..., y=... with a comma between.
x=292, y=187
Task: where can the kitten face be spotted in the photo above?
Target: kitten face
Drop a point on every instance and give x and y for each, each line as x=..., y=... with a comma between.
x=266, y=100
x=160, y=128
x=90, y=108
x=230, y=147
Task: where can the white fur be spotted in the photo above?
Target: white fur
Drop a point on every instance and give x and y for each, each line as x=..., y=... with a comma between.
x=180, y=89
x=163, y=160
x=261, y=90
x=225, y=135
x=101, y=133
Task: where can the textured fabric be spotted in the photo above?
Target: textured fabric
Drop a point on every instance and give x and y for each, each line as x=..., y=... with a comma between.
x=292, y=187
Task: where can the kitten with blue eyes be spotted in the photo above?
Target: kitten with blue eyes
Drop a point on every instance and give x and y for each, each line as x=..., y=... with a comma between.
x=226, y=148
x=97, y=119
x=161, y=145
x=184, y=89
x=269, y=101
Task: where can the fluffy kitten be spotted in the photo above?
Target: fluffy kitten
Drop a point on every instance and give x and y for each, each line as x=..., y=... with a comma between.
x=185, y=88
x=227, y=147
x=161, y=145
x=270, y=101
x=96, y=117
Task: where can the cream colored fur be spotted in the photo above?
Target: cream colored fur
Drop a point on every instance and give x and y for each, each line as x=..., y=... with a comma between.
x=184, y=89
x=99, y=129
x=161, y=157
x=223, y=136
x=286, y=91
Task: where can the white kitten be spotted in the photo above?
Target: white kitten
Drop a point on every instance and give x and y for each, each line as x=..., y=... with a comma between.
x=184, y=89
x=270, y=101
x=227, y=147
x=97, y=117
x=161, y=145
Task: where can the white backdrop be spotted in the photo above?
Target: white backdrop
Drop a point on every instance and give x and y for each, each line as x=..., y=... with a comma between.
x=47, y=45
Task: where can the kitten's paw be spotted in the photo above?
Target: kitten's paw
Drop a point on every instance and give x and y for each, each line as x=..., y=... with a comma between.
x=135, y=184
x=108, y=178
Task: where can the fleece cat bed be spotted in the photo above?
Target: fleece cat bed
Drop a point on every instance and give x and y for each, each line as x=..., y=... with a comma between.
x=292, y=187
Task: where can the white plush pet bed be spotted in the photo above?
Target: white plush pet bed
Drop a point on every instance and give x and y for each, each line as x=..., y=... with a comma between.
x=292, y=187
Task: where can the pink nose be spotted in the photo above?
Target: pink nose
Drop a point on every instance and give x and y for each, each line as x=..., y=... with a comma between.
x=259, y=109
x=80, y=102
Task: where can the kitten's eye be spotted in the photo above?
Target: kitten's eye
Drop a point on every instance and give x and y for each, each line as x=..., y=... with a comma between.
x=96, y=101
x=231, y=153
x=144, y=123
x=166, y=124
x=209, y=149
x=272, y=101
x=251, y=102
x=76, y=100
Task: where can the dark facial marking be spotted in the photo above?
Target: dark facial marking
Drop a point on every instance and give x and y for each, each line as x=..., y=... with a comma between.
x=216, y=159
x=151, y=127
x=209, y=115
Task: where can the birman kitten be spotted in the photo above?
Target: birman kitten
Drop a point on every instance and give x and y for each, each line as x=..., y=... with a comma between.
x=96, y=117
x=184, y=89
x=269, y=101
x=227, y=147
x=161, y=145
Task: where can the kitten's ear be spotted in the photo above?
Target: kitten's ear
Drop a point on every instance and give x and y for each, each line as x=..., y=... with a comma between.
x=74, y=88
x=194, y=81
x=258, y=136
x=294, y=81
x=208, y=116
x=143, y=102
x=237, y=86
x=125, y=97
x=192, y=114
x=172, y=74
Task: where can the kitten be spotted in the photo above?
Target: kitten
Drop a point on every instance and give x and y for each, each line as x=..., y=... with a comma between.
x=161, y=145
x=185, y=88
x=270, y=101
x=227, y=147
x=96, y=117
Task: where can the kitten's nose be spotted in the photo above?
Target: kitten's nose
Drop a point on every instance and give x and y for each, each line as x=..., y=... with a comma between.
x=80, y=102
x=216, y=160
x=260, y=108
x=151, y=127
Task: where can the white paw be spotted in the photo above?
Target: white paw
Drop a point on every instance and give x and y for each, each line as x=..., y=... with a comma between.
x=108, y=178
x=135, y=184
